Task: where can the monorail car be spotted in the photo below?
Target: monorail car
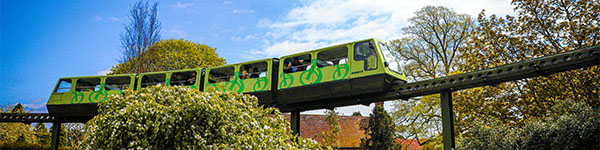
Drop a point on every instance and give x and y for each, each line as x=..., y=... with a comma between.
x=360, y=67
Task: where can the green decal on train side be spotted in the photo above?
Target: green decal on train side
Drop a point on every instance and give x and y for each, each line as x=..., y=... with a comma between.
x=77, y=97
x=96, y=94
x=286, y=80
x=230, y=86
x=312, y=75
x=341, y=71
x=260, y=84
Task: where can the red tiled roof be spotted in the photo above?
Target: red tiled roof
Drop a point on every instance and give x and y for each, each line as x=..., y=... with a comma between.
x=409, y=144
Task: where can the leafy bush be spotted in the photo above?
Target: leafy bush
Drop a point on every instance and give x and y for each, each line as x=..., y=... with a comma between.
x=568, y=125
x=181, y=118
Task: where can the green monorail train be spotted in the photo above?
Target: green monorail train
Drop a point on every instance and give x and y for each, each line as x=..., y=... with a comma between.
x=354, y=68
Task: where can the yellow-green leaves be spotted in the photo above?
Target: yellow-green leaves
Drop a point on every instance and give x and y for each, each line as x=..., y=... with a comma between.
x=171, y=54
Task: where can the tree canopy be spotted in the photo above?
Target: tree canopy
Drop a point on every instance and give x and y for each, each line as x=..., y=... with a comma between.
x=171, y=54
x=381, y=131
x=431, y=49
x=166, y=117
x=540, y=28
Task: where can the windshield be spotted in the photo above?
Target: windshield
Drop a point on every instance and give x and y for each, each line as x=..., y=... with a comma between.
x=391, y=57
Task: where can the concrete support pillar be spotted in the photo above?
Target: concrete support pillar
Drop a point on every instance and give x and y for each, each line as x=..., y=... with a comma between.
x=447, y=120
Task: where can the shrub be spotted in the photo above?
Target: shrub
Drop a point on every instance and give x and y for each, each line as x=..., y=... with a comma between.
x=181, y=118
x=568, y=125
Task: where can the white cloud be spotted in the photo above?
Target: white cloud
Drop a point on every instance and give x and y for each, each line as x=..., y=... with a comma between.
x=248, y=37
x=227, y=2
x=103, y=72
x=348, y=110
x=320, y=23
x=181, y=5
x=36, y=105
x=242, y=11
x=98, y=17
x=114, y=18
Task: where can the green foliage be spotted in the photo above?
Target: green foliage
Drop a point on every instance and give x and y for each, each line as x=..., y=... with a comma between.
x=357, y=113
x=42, y=134
x=73, y=135
x=20, y=135
x=568, y=125
x=22, y=146
x=380, y=131
x=540, y=28
x=330, y=136
x=162, y=117
x=171, y=54
x=418, y=119
x=16, y=132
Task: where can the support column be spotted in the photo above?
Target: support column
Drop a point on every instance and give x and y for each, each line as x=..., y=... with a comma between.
x=447, y=119
x=55, y=135
x=295, y=121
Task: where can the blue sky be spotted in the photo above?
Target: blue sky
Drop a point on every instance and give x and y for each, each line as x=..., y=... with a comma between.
x=45, y=40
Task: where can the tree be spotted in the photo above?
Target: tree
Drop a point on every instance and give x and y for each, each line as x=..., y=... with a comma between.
x=74, y=134
x=431, y=49
x=141, y=33
x=171, y=54
x=42, y=134
x=19, y=135
x=380, y=131
x=330, y=137
x=540, y=28
x=166, y=117
x=526, y=107
x=433, y=41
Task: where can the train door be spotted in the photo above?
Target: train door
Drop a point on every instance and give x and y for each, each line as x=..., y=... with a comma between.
x=365, y=60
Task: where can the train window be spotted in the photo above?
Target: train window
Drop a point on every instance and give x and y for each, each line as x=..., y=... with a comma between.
x=392, y=57
x=366, y=51
x=117, y=83
x=220, y=74
x=64, y=85
x=297, y=63
x=152, y=79
x=183, y=78
x=255, y=70
x=333, y=56
x=87, y=84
